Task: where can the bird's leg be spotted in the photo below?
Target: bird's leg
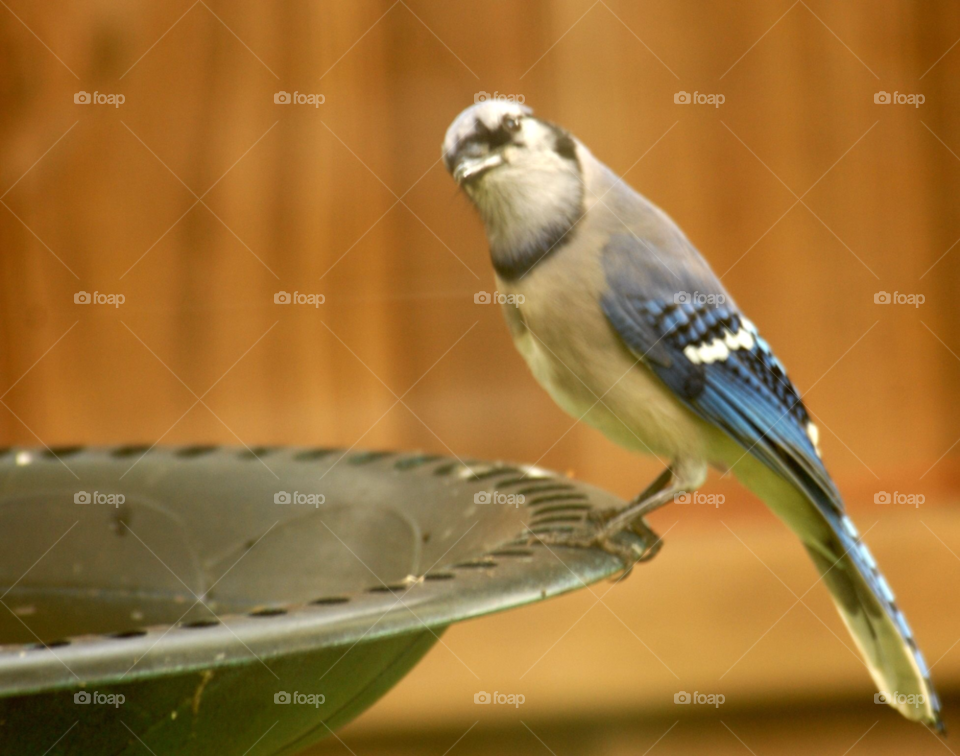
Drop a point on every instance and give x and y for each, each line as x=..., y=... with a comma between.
x=661, y=491
x=603, y=527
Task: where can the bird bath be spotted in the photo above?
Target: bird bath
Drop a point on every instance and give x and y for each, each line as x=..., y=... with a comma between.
x=183, y=600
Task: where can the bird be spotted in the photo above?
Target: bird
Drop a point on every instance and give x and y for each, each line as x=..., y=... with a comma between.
x=625, y=325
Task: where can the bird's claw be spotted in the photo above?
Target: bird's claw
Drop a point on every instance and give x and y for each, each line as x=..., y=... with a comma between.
x=596, y=534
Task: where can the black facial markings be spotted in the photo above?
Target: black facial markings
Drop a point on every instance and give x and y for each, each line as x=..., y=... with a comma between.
x=482, y=135
x=563, y=143
x=553, y=238
x=566, y=147
x=493, y=138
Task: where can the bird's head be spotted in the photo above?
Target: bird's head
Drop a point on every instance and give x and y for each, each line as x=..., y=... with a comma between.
x=522, y=174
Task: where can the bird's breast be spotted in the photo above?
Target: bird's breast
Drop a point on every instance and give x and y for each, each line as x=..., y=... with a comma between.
x=559, y=328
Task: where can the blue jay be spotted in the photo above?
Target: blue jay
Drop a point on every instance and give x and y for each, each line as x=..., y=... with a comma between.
x=627, y=328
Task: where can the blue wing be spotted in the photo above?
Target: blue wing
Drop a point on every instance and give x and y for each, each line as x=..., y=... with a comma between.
x=716, y=363
x=691, y=335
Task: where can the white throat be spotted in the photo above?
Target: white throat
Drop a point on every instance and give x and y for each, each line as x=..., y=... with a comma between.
x=527, y=201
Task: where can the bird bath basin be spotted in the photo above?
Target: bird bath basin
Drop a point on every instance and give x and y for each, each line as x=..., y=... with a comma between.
x=179, y=601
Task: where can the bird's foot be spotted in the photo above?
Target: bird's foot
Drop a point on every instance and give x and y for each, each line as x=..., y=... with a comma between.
x=630, y=543
x=610, y=525
x=623, y=532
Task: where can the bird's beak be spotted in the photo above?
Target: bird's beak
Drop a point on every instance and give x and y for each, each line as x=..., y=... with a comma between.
x=469, y=168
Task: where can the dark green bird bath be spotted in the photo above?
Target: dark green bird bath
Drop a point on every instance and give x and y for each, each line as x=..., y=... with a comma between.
x=179, y=601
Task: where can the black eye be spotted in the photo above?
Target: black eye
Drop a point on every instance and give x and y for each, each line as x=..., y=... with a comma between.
x=510, y=123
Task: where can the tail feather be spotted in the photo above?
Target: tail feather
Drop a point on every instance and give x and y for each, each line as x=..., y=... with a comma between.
x=869, y=610
x=861, y=593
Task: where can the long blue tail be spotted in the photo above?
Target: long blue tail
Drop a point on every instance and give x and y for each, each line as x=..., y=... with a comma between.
x=868, y=608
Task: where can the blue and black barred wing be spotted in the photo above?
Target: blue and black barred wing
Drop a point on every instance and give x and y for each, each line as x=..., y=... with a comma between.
x=717, y=364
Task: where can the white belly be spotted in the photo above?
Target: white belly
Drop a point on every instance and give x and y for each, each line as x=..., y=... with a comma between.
x=576, y=356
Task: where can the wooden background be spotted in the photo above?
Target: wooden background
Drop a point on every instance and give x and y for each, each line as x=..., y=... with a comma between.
x=349, y=200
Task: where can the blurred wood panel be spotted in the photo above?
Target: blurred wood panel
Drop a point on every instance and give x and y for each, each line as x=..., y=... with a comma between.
x=786, y=730
x=305, y=199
